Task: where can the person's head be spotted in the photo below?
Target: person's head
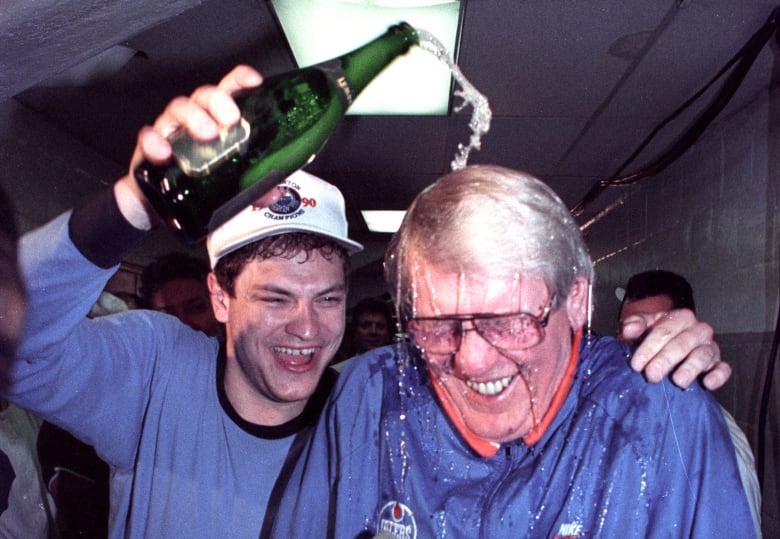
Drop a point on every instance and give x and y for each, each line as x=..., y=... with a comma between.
x=12, y=293
x=372, y=325
x=491, y=241
x=279, y=284
x=175, y=283
x=652, y=292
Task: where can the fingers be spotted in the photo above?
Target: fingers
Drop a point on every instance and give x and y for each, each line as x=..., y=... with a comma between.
x=240, y=78
x=201, y=114
x=718, y=376
x=634, y=327
x=678, y=338
x=701, y=359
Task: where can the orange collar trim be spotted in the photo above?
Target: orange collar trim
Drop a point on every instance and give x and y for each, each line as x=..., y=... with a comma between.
x=561, y=393
x=488, y=449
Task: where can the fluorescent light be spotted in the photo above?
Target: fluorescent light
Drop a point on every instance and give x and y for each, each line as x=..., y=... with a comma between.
x=417, y=83
x=383, y=220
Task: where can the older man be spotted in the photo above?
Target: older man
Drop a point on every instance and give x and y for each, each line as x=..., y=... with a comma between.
x=501, y=419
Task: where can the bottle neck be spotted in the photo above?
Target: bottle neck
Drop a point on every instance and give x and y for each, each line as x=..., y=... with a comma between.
x=363, y=64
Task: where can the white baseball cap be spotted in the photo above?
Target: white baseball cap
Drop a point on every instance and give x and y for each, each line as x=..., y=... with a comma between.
x=308, y=204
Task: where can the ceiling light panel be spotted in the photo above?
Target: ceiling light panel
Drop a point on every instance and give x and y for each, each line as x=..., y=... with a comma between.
x=415, y=84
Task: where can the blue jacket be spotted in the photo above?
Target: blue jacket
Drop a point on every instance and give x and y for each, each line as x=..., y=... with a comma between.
x=622, y=458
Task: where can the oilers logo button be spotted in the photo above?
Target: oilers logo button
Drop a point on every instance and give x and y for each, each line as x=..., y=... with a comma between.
x=397, y=520
x=288, y=202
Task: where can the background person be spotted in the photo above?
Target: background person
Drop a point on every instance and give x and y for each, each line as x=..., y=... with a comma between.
x=502, y=420
x=659, y=290
x=372, y=325
x=175, y=283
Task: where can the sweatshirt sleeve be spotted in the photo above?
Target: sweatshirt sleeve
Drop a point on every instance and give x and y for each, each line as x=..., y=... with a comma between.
x=101, y=233
x=65, y=265
x=87, y=376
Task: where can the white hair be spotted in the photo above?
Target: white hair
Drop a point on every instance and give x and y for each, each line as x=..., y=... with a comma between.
x=489, y=219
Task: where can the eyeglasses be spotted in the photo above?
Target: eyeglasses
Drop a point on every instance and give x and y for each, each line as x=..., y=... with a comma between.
x=442, y=336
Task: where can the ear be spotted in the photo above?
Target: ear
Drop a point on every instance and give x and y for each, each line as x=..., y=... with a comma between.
x=220, y=300
x=577, y=303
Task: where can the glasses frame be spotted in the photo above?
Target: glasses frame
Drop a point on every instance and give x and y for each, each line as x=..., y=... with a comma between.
x=541, y=320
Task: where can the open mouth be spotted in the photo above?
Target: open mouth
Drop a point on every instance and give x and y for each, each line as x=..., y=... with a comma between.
x=491, y=387
x=295, y=356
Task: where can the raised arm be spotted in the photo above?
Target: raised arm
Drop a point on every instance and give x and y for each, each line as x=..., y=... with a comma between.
x=67, y=366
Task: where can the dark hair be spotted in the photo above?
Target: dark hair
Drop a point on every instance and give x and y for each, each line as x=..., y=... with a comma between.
x=660, y=282
x=167, y=268
x=287, y=246
x=373, y=306
x=7, y=217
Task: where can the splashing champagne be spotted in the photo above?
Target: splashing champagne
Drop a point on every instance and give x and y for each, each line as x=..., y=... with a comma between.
x=481, y=113
x=284, y=123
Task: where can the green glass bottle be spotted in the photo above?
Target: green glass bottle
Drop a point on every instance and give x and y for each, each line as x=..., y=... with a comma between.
x=284, y=123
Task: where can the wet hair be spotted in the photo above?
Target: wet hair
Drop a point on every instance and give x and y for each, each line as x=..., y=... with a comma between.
x=287, y=245
x=660, y=283
x=170, y=267
x=488, y=219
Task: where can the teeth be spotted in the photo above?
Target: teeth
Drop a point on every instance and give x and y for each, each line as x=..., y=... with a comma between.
x=294, y=351
x=493, y=387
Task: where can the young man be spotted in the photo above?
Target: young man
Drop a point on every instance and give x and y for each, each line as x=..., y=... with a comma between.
x=197, y=433
x=501, y=419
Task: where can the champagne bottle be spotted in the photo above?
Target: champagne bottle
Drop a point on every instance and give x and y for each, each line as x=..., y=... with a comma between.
x=284, y=123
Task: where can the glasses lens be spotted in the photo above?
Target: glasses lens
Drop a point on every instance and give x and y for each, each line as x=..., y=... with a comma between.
x=512, y=332
x=508, y=332
x=435, y=336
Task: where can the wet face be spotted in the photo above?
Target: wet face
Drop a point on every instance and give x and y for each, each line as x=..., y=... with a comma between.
x=283, y=327
x=499, y=395
x=649, y=305
x=188, y=300
x=371, y=331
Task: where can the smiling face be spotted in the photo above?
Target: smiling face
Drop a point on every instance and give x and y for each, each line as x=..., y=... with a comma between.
x=371, y=331
x=499, y=396
x=283, y=326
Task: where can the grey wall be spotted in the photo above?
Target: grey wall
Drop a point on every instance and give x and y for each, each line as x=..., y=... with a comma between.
x=712, y=217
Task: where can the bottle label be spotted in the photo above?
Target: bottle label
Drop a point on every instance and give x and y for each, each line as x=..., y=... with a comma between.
x=335, y=72
x=197, y=158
